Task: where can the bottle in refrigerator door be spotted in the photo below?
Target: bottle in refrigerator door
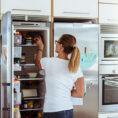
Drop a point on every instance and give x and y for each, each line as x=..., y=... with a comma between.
x=17, y=112
x=17, y=38
x=17, y=93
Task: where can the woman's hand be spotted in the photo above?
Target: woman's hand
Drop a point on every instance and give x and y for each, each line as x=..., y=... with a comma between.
x=78, y=91
x=40, y=43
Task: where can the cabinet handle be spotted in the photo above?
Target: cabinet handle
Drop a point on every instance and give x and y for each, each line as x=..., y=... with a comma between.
x=67, y=12
x=110, y=78
x=27, y=10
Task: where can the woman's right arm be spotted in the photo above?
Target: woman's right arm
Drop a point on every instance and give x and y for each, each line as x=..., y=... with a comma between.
x=79, y=90
x=38, y=58
x=39, y=53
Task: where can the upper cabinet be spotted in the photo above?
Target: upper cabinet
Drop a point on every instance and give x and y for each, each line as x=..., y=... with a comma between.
x=28, y=7
x=108, y=13
x=108, y=1
x=76, y=8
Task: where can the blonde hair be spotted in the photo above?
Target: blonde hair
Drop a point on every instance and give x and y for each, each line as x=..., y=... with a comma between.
x=74, y=60
x=68, y=41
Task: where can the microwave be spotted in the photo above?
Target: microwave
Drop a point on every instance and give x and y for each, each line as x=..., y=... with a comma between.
x=108, y=44
x=108, y=49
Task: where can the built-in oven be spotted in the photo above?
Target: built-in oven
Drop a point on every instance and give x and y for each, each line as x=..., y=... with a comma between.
x=108, y=44
x=108, y=88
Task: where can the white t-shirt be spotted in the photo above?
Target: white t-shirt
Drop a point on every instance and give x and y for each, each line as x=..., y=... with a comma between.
x=59, y=83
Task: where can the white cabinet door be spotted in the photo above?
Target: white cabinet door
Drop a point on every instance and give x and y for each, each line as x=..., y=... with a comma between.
x=76, y=8
x=108, y=13
x=109, y=1
x=41, y=7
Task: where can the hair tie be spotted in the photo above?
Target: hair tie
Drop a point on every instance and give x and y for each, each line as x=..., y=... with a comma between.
x=74, y=46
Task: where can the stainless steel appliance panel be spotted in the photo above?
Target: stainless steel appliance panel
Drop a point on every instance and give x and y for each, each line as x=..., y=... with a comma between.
x=87, y=41
x=108, y=41
x=6, y=67
x=90, y=102
x=108, y=88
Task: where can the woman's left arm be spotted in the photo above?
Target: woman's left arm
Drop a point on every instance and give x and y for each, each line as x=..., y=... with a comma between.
x=79, y=90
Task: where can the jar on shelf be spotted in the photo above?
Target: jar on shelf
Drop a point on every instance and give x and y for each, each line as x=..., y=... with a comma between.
x=25, y=105
x=28, y=40
x=39, y=114
x=23, y=58
x=30, y=104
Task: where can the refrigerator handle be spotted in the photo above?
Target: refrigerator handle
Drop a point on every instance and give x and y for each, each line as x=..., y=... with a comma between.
x=85, y=50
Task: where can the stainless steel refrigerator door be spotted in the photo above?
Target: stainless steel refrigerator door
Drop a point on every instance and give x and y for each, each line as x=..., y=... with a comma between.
x=6, y=67
x=0, y=71
x=62, y=28
x=87, y=41
x=90, y=102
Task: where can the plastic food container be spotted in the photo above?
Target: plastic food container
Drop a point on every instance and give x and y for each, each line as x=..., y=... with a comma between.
x=32, y=74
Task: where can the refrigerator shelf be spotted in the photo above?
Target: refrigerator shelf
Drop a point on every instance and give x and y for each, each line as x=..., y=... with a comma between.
x=24, y=45
x=36, y=98
x=31, y=109
x=27, y=64
x=28, y=79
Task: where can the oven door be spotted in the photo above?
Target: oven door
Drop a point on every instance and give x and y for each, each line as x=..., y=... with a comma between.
x=108, y=93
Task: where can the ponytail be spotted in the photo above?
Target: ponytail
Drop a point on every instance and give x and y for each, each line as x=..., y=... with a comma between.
x=74, y=60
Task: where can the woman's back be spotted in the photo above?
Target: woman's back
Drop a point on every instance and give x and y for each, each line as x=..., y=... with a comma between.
x=59, y=83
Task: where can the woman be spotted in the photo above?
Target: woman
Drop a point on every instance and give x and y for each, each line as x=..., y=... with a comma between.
x=61, y=75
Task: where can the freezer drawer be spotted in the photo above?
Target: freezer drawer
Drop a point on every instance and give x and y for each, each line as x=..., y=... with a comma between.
x=89, y=109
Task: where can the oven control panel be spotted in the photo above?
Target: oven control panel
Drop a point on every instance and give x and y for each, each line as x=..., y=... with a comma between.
x=108, y=69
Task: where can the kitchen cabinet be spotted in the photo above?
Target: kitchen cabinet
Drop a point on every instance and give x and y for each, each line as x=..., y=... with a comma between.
x=108, y=13
x=109, y=1
x=76, y=8
x=27, y=7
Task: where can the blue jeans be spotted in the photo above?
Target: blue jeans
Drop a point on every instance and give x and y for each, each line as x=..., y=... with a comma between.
x=60, y=114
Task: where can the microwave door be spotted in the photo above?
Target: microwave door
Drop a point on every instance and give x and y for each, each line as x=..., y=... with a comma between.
x=6, y=67
x=109, y=49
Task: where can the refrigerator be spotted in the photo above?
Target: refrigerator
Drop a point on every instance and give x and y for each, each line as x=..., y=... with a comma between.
x=86, y=35
x=22, y=83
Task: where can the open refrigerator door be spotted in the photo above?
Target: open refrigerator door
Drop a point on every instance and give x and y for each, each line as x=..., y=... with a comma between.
x=6, y=68
x=22, y=83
